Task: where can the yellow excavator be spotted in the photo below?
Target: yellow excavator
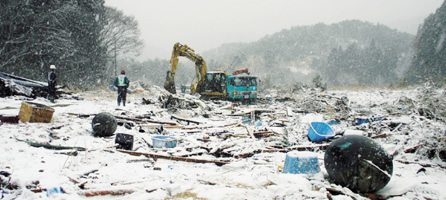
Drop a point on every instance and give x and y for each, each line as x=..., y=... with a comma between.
x=200, y=68
x=215, y=84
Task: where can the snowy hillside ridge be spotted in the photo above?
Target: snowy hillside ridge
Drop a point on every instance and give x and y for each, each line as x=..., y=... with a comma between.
x=225, y=150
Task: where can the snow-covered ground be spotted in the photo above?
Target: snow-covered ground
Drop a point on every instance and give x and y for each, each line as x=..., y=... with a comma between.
x=252, y=172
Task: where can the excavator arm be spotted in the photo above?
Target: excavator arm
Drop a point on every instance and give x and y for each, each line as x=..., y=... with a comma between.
x=200, y=68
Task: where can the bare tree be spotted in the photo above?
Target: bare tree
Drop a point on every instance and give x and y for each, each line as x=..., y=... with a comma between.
x=120, y=35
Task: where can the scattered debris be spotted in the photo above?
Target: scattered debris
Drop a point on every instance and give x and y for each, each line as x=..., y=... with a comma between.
x=9, y=119
x=124, y=141
x=11, y=85
x=250, y=140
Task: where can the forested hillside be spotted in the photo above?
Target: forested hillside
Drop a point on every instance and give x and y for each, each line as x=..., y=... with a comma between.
x=429, y=60
x=346, y=53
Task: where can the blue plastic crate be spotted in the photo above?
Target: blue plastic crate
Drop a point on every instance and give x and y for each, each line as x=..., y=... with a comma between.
x=301, y=162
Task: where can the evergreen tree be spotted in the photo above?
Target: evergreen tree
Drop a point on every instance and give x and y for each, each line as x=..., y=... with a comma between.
x=36, y=34
x=429, y=62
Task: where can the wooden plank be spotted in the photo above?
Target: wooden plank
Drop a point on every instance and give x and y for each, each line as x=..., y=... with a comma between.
x=53, y=147
x=217, y=162
x=106, y=192
x=185, y=120
x=144, y=120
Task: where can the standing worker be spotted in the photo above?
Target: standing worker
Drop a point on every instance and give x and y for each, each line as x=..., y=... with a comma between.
x=122, y=82
x=52, y=83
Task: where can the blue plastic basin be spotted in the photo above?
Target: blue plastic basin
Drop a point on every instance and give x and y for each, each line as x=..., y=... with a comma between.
x=319, y=131
x=164, y=142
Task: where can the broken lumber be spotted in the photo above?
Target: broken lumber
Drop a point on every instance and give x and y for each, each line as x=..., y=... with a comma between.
x=157, y=126
x=81, y=115
x=217, y=162
x=14, y=85
x=256, y=112
x=236, y=123
x=185, y=120
x=73, y=180
x=379, y=136
x=144, y=120
x=413, y=149
x=151, y=190
x=309, y=148
x=106, y=192
x=334, y=191
x=37, y=190
x=295, y=148
x=52, y=147
x=247, y=129
x=422, y=164
x=265, y=134
x=409, y=150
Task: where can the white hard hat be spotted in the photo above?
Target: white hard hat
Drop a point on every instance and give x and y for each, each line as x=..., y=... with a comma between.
x=52, y=66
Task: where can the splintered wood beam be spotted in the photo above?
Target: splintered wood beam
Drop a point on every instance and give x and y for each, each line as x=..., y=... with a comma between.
x=217, y=162
x=106, y=192
x=413, y=149
x=309, y=147
x=53, y=147
x=185, y=120
x=379, y=136
x=144, y=120
x=421, y=164
x=265, y=134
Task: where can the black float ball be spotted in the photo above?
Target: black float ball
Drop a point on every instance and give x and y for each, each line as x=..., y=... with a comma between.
x=104, y=124
x=358, y=163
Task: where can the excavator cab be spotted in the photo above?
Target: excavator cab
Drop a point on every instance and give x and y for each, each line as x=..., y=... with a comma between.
x=214, y=85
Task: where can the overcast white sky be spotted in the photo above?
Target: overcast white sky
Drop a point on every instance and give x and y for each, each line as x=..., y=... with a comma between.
x=207, y=24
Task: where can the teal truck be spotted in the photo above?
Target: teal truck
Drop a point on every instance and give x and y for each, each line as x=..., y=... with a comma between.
x=238, y=86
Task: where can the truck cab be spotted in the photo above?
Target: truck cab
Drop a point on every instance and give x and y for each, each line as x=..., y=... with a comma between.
x=241, y=87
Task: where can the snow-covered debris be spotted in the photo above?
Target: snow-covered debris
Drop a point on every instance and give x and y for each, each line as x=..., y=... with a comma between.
x=225, y=150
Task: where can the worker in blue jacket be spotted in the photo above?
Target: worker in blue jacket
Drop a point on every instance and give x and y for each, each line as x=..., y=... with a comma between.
x=122, y=83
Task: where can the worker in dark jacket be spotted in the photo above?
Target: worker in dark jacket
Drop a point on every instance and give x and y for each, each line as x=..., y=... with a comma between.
x=52, y=83
x=122, y=83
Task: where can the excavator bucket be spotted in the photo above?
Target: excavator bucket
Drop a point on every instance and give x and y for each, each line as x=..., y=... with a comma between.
x=169, y=85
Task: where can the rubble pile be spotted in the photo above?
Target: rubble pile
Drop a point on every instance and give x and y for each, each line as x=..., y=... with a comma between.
x=209, y=145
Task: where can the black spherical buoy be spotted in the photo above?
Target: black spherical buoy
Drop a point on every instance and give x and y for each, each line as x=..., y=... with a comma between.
x=358, y=163
x=104, y=124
